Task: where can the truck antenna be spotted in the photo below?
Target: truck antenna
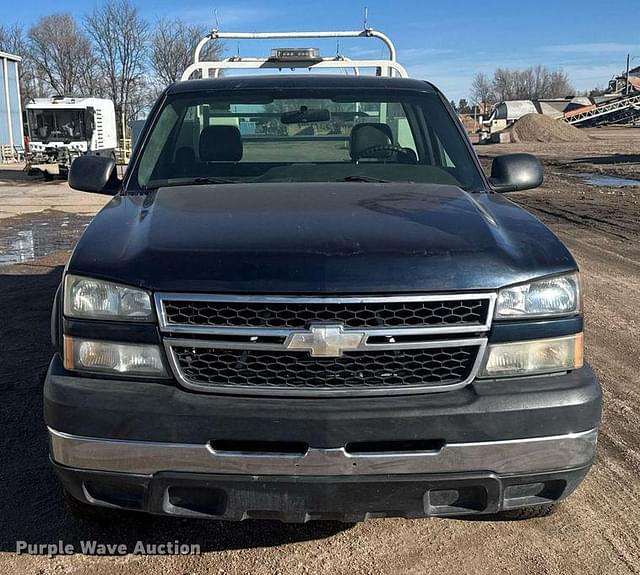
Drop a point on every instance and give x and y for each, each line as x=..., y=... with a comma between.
x=215, y=15
x=366, y=18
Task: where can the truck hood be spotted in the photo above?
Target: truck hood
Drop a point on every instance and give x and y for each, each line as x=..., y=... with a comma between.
x=317, y=238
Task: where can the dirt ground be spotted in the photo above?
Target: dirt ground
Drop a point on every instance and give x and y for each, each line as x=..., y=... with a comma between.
x=23, y=194
x=596, y=531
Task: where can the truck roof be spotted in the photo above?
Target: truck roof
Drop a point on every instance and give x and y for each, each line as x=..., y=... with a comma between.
x=67, y=102
x=293, y=81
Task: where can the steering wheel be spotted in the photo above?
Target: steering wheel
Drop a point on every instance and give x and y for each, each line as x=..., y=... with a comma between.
x=405, y=155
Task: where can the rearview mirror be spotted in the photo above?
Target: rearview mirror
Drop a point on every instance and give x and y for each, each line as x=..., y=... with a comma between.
x=305, y=116
x=95, y=174
x=515, y=172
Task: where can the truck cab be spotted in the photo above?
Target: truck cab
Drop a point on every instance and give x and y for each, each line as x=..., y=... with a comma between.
x=307, y=301
x=61, y=129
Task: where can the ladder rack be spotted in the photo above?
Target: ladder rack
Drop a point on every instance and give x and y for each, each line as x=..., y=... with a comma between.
x=384, y=67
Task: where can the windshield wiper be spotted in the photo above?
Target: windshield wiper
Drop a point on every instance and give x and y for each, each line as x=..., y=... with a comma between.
x=209, y=180
x=155, y=184
x=362, y=179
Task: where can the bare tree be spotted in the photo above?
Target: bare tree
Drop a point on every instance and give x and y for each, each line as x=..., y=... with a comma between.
x=91, y=81
x=14, y=41
x=119, y=35
x=561, y=86
x=60, y=51
x=594, y=92
x=482, y=93
x=173, y=43
x=503, y=84
x=531, y=83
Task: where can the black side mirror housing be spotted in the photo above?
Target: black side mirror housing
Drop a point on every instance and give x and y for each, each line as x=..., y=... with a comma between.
x=516, y=172
x=95, y=174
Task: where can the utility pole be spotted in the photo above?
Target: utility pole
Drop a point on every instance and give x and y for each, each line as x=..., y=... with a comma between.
x=628, y=64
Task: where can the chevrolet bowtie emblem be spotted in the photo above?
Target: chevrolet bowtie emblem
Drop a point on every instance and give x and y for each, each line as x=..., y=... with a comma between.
x=325, y=340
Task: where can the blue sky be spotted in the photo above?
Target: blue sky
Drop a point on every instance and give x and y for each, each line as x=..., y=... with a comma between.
x=445, y=42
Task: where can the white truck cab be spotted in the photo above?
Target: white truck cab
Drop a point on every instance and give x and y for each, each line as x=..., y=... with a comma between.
x=63, y=128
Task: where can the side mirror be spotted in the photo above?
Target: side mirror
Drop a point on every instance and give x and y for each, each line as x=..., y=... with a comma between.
x=94, y=174
x=515, y=172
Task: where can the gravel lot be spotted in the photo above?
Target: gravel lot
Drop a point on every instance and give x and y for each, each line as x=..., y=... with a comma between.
x=595, y=531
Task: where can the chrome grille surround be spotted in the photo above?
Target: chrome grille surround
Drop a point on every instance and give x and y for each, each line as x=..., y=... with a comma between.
x=383, y=339
x=351, y=315
x=460, y=327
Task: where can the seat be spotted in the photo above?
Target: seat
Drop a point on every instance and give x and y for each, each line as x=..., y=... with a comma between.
x=220, y=144
x=367, y=135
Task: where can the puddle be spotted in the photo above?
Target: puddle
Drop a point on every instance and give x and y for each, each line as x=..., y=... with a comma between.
x=26, y=238
x=608, y=181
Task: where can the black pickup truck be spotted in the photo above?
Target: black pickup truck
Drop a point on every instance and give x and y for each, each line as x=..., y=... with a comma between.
x=306, y=301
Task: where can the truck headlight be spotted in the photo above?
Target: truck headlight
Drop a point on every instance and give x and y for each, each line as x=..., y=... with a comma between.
x=554, y=296
x=533, y=357
x=109, y=357
x=89, y=298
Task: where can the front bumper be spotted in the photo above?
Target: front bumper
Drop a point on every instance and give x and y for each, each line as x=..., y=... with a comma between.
x=156, y=447
x=163, y=412
x=297, y=499
x=514, y=456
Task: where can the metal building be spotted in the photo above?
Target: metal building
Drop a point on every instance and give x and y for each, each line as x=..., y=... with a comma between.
x=11, y=129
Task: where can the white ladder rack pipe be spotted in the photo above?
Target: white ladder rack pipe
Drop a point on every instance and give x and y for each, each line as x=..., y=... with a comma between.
x=366, y=33
x=390, y=66
x=256, y=63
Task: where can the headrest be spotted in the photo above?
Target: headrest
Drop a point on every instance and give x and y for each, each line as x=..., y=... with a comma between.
x=366, y=135
x=220, y=144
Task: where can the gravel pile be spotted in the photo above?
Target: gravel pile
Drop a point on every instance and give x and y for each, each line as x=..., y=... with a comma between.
x=540, y=128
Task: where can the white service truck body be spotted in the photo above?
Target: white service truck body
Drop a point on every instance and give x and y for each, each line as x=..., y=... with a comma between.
x=63, y=128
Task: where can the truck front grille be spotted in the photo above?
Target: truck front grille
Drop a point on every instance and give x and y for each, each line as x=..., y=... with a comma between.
x=308, y=345
x=292, y=315
x=259, y=369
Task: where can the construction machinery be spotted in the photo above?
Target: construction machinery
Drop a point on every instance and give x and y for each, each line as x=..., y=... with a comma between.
x=62, y=128
x=618, y=109
x=619, y=105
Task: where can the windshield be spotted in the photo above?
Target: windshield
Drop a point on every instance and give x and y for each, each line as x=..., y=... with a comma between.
x=56, y=124
x=305, y=136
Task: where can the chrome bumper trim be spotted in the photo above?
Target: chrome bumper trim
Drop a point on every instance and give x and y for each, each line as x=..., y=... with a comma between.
x=536, y=454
